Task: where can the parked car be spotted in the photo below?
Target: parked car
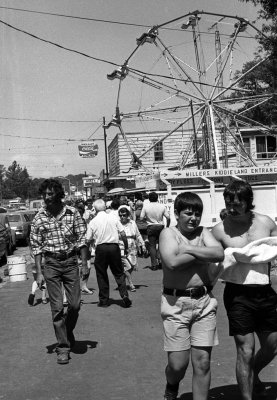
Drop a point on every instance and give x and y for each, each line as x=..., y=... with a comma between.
x=7, y=237
x=19, y=222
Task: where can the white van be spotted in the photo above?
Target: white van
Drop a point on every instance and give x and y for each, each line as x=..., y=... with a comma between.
x=36, y=204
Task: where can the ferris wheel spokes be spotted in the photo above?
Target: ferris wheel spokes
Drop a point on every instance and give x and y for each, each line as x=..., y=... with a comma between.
x=174, y=73
x=238, y=144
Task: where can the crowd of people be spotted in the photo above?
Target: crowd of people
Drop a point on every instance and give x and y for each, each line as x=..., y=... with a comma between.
x=192, y=258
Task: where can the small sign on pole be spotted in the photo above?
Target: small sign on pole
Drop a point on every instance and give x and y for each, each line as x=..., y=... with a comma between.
x=88, y=149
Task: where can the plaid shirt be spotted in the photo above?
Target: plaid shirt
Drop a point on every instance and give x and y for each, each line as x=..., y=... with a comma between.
x=65, y=232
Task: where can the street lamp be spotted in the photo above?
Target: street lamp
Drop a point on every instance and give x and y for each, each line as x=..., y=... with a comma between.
x=69, y=184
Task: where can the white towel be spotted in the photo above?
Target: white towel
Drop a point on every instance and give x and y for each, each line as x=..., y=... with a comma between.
x=249, y=265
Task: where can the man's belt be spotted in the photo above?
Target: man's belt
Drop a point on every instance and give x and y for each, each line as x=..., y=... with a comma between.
x=194, y=293
x=60, y=256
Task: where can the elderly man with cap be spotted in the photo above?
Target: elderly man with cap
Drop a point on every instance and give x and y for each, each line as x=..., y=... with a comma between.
x=104, y=230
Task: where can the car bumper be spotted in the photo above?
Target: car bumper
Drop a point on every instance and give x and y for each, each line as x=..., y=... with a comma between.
x=18, y=234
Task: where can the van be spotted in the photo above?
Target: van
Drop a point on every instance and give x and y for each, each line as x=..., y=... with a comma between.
x=36, y=204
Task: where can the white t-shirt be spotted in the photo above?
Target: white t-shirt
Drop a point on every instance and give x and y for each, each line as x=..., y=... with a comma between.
x=104, y=229
x=153, y=213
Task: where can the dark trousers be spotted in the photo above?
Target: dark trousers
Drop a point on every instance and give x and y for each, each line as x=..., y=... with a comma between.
x=108, y=255
x=153, y=233
x=57, y=273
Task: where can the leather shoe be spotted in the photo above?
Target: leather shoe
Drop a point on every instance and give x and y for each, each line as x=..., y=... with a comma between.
x=63, y=358
x=127, y=302
x=103, y=304
x=31, y=299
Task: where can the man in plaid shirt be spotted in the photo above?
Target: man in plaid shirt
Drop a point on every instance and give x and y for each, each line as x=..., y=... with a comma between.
x=58, y=233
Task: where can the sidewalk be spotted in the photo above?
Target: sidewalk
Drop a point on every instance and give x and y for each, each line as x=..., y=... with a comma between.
x=119, y=353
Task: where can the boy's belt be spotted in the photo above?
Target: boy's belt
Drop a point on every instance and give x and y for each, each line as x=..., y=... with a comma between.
x=194, y=293
x=60, y=256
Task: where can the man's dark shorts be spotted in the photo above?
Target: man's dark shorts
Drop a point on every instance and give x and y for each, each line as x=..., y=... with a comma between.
x=250, y=309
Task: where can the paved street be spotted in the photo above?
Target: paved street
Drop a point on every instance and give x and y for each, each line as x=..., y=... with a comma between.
x=119, y=353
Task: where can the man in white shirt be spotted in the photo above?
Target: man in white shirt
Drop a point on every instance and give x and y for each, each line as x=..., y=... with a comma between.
x=154, y=214
x=104, y=230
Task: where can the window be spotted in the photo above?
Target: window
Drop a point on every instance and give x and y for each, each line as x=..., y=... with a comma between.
x=266, y=146
x=14, y=218
x=158, y=151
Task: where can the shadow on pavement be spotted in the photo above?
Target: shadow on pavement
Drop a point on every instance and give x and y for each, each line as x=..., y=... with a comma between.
x=231, y=392
x=118, y=302
x=139, y=286
x=81, y=347
x=88, y=302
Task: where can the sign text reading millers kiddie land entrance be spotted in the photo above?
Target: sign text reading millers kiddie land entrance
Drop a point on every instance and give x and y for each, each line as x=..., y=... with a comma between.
x=211, y=173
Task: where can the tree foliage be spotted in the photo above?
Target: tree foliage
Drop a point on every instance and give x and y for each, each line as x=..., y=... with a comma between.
x=16, y=182
x=263, y=79
x=268, y=7
x=258, y=82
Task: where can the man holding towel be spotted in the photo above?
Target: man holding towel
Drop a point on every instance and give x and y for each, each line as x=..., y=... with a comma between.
x=249, y=299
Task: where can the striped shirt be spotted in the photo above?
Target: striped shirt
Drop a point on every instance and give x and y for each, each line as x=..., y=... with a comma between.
x=63, y=233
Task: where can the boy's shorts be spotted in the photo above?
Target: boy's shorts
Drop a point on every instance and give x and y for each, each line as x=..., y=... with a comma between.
x=250, y=309
x=189, y=322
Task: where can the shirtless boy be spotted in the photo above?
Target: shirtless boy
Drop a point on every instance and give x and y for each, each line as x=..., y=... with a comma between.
x=188, y=307
x=251, y=307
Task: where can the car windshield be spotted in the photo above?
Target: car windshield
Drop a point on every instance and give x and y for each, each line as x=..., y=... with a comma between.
x=14, y=218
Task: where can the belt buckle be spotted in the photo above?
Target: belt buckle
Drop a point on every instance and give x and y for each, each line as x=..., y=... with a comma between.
x=200, y=289
x=197, y=292
x=61, y=256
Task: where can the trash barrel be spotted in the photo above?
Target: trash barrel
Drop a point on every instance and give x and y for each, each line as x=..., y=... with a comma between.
x=17, y=268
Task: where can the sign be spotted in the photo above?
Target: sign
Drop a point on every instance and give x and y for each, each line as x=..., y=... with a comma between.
x=99, y=189
x=88, y=149
x=149, y=182
x=216, y=173
x=89, y=181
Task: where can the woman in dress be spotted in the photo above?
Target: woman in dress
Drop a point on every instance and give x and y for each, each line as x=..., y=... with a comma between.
x=134, y=238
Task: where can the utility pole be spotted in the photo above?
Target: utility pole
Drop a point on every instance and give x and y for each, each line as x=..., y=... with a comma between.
x=86, y=187
x=1, y=183
x=106, y=150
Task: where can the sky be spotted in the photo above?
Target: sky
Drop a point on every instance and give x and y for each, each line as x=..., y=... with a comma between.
x=51, y=99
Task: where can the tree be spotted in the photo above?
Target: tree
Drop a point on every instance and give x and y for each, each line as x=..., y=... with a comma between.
x=259, y=81
x=2, y=175
x=263, y=79
x=17, y=182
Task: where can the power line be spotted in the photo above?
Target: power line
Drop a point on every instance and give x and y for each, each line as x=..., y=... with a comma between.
x=46, y=138
x=58, y=45
x=76, y=51
x=49, y=120
x=101, y=20
x=76, y=17
x=46, y=145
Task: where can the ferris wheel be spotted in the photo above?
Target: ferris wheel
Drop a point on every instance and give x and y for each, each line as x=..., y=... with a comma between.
x=182, y=76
